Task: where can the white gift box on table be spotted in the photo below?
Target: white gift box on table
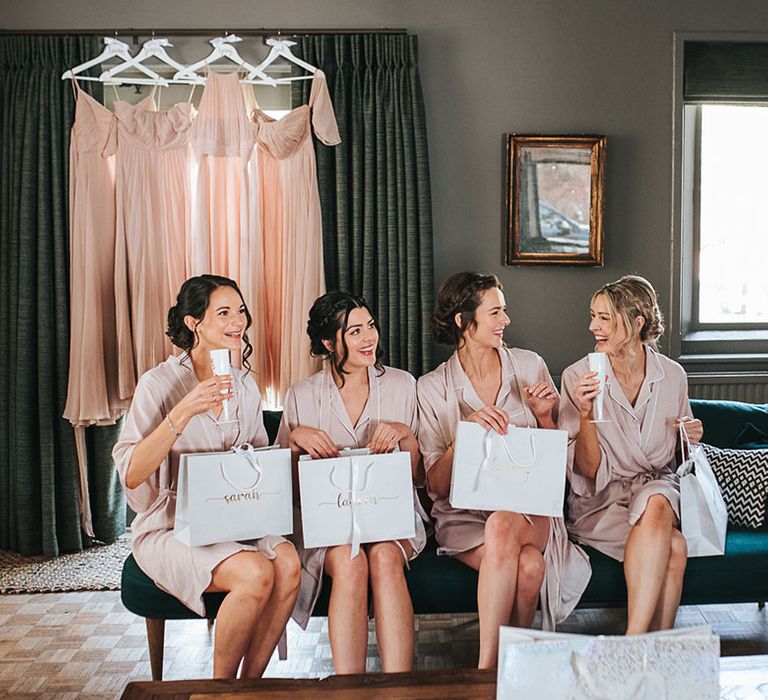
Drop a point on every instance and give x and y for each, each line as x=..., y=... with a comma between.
x=522, y=471
x=680, y=664
x=355, y=499
x=242, y=494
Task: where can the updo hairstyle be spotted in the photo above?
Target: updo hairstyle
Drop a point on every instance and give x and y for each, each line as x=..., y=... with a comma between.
x=328, y=315
x=631, y=297
x=192, y=300
x=461, y=294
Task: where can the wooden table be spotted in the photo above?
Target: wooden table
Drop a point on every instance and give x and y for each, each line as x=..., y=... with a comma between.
x=468, y=684
x=738, y=676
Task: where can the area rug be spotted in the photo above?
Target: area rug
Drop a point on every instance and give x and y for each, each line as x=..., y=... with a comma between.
x=97, y=568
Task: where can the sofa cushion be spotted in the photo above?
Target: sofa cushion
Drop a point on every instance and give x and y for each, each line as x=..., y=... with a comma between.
x=725, y=420
x=743, y=479
x=752, y=438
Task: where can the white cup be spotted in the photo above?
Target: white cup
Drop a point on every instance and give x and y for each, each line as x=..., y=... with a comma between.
x=598, y=362
x=221, y=365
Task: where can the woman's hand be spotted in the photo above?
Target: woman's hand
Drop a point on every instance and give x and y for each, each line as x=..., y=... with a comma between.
x=316, y=443
x=584, y=391
x=387, y=436
x=206, y=395
x=491, y=418
x=693, y=428
x=542, y=399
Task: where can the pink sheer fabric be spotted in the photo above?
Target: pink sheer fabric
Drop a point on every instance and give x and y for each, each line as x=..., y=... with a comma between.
x=93, y=397
x=153, y=230
x=226, y=238
x=288, y=208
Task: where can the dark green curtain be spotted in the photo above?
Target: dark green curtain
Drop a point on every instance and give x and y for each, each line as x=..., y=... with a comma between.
x=39, y=508
x=374, y=186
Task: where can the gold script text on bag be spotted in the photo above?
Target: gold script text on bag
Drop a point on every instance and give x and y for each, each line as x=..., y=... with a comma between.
x=522, y=471
x=241, y=494
x=352, y=500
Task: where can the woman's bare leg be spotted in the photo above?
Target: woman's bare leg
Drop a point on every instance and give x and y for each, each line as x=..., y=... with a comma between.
x=497, y=563
x=669, y=602
x=348, y=609
x=530, y=575
x=392, y=606
x=646, y=561
x=247, y=577
x=267, y=631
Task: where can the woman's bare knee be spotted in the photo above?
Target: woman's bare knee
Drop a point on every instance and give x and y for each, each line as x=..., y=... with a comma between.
x=530, y=571
x=287, y=567
x=248, y=573
x=350, y=572
x=678, y=554
x=502, y=531
x=385, y=559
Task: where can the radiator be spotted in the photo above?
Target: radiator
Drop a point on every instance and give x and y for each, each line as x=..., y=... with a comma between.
x=750, y=388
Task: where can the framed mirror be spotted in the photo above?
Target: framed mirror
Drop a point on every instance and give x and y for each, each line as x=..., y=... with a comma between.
x=555, y=199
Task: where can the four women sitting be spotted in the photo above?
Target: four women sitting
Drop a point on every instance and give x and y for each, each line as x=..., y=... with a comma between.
x=624, y=498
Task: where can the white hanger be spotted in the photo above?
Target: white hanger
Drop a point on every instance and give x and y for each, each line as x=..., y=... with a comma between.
x=222, y=48
x=151, y=48
x=119, y=49
x=281, y=49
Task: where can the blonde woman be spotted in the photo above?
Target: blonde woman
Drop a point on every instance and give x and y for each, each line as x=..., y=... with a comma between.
x=625, y=495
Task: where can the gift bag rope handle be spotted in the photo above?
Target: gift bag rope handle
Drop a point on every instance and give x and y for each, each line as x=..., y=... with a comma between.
x=354, y=486
x=488, y=443
x=246, y=452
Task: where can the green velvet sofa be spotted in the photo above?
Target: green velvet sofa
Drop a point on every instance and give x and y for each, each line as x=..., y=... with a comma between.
x=443, y=585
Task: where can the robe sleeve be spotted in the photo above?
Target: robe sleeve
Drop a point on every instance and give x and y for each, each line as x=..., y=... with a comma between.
x=145, y=414
x=569, y=419
x=431, y=440
x=290, y=418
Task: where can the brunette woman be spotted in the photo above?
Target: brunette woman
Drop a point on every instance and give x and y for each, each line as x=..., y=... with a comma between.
x=625, y=495
x=177, y=409
x=520, y=558
x=355, y=401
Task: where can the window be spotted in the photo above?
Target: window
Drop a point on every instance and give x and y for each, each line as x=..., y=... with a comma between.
x=720, y=315
x=732, y=236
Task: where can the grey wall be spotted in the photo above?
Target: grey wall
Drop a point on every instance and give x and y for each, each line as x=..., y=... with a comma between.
x=496, y=66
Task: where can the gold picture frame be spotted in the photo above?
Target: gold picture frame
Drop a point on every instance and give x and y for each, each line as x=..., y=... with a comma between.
x=562, y=179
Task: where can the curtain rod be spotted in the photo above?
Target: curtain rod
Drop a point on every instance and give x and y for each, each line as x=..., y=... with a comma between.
x=138, y=32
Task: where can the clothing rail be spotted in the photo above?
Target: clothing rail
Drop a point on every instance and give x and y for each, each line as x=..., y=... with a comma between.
x=135, y=32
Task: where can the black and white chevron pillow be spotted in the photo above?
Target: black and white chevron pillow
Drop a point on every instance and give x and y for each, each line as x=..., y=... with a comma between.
x=743, y=479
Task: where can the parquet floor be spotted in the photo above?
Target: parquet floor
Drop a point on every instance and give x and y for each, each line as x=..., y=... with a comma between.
x=86, y=645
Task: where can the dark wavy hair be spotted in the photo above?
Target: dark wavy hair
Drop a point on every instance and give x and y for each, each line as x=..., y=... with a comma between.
x=461, y=294
x=192, y=300
x=328, y=315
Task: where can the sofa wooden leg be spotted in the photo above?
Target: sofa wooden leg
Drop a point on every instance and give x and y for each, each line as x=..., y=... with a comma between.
x=761, y=605
x=156, y=641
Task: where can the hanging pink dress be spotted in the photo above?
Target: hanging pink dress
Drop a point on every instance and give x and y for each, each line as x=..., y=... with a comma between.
x=92, y=393
x=226, y=238
x=153, y=229
x=291, y=230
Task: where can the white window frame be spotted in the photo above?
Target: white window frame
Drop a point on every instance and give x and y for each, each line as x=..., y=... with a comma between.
x=710, y=348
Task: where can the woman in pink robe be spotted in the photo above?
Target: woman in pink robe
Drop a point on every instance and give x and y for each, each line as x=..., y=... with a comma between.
x=625, y=495
x=177, y=409
x=520, y=558
x=354, y=401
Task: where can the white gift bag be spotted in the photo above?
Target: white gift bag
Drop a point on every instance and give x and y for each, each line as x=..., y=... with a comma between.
x=703, y=515
x=681, y=664
x=242, y=494
x=356, y=499
x=522, y=471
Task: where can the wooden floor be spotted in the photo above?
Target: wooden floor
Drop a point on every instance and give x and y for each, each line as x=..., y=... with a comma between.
x=86, y=645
